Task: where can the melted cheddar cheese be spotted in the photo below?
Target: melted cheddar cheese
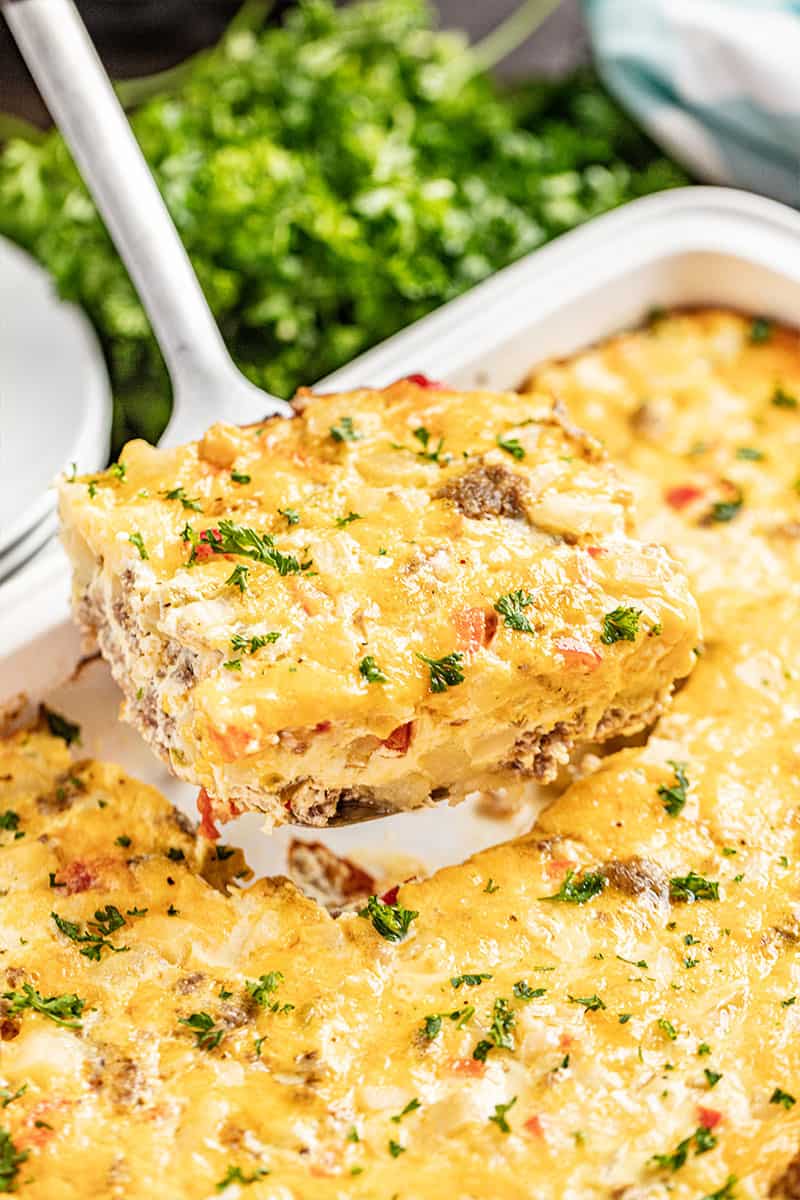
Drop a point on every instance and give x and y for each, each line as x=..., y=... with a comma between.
x=606, y=1008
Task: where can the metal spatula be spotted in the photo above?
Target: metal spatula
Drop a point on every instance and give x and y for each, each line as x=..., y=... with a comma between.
x=206, y=384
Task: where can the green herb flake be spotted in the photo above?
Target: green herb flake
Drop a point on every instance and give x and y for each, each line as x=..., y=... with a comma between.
x=391, y=921
x=240, y=477
x=341, y=522
x=411, y=1107
x=725, y=1192
x=578, y=891
x=229, y=538
x=702, y=1140
x=491, y=887
x=65, y=1010
x=207, y=1035
x=123, y=840
x=523, y=991
x=254, y=642
x=512, y=446
x=691, y=887
x=620, y=625
x=725, y=510
x=395, y=1149
x=667, y=1028
x=60, y=727
x=238, y=577
x=265, y=986
x=137, y=540
x=749, y=454
x=760, y=331
x=233, y=664
x=445, y=672
x=371, y=671
x=674, y=797
x=458, y=981
x=10, y=1161
x=783, y=399
x=7, y=1097
x=94, y=937
x=501, y=1035
x=499, y=1115
x=179, y=493
x=785, y=1099
x=345, y=431
x=9, y=820
x=511, y=608
x=712, y=1077
x=237, y=1175
x=623, y=1018
x=590, y=1003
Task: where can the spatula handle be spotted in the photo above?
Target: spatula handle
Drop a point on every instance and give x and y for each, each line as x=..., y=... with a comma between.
x=79, y=95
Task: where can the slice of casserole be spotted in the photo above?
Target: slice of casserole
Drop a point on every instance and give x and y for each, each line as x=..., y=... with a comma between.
x=399, y=596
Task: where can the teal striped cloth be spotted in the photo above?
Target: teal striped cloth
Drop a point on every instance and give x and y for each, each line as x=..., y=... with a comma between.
x=715, y=82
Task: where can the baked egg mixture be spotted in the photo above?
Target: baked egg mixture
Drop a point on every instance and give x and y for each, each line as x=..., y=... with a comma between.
x=395, y=598
x=607, y=1008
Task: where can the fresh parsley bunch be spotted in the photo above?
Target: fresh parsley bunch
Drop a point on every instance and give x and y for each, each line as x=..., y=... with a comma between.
x=333, y=179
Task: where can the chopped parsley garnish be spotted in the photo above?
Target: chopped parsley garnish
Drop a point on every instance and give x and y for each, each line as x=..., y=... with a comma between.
x=9, y=820
x=91, y=488
x=118, y=470
x=10, y=1161
x=785, y=1099
x=667, y=1028
x=590, y=1003
x=238, y=577
x=175, y=855
x=712, y=1077
x=511, y=446
x=432, y=1026
x=783, y=399
x=726, y=510
x=240, y=477
x=64, y=1010
x=523, y=991
x=123, y=840
x=578, y=891
x=458, y=981
x=623, y=1018
x=262, y=988
x=499, y=1116
x=7, y=1097
x=233, y=664
x=693, y=887
x=137, y=540
x=391, y=921
x=229, y=538
x=253, y=643
x=424, y=435
x=395, y=1149
x=207, y=1035
x=491, y=887
x=620, y=625
x=95, y=936
x=136, y=912
x=725, y=1192
x=236, y=1175
x=179, y=493
x=371, y=671
x=760, y=330
x=511, y=608
x=291, y=514
x=60, y=727
x=412, y=1106
x=501, y=1034
x=702, y=1139
x=703, y=1049
x=749, y=454
x=344, y=430
x=445, y=672
x=789, y=1001
x=675, y=796
x=348, y=520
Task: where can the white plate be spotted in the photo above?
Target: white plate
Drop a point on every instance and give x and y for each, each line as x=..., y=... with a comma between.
x=55, y=400
x=687, y=247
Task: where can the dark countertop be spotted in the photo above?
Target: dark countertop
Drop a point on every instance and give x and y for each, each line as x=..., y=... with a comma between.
x=136, y=37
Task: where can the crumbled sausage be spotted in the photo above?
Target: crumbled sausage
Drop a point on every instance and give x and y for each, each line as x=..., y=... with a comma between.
x=487, y=491
x=637, y=877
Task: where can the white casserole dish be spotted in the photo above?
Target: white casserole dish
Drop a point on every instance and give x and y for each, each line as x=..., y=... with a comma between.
x=694, y=246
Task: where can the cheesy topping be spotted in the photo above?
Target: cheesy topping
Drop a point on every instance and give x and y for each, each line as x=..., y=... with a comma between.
x=604, y=1008
x=395, y=595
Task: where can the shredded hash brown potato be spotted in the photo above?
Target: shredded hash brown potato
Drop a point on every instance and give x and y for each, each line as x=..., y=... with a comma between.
x=606, y=1009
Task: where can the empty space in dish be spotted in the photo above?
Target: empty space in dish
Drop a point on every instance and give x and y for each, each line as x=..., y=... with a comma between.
x=696, y=246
